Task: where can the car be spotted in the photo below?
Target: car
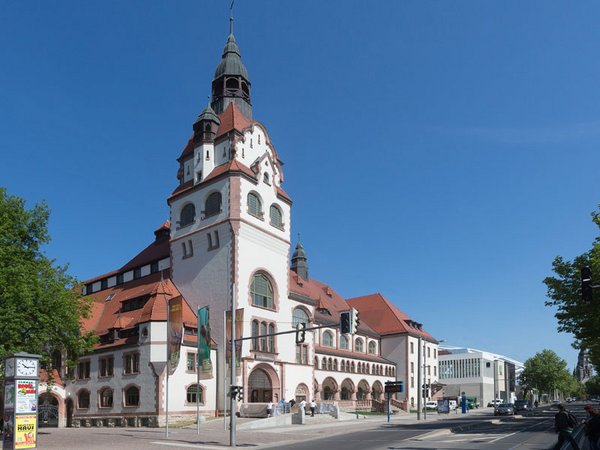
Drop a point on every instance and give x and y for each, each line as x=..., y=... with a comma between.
x=522, y=405
x=569, y=399
x=505, y=409
x=431, y=405
x=494, y=403
x=472, y=402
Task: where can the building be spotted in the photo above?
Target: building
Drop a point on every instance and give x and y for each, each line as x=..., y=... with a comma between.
x=584, y=369
x=228, y=242
x=480, y=374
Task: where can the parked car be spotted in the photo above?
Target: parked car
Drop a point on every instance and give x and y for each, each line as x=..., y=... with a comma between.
x=431, y=405
x=494, y=403
x=505, y=409
x=472, y=402
x=522, y=405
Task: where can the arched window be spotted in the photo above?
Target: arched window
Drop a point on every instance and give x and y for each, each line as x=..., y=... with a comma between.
x=132, y=396
x=266, y=178
x=335, y=365
x=343, y=366
x=188, y=215
x=345, y=394
x=254, y=334
x=324, y=364
x=212, y=205
x=328, y=339
x=359, y=345
x=344, y=344
x=329, y=364
x=299, y=316
x=276, y=216
x=316, y=362
x=195, y=394
x=262, y=291
x=254, y=205
x=263, y=340
x=106, y=398
x=271, y=338
x=372, y=348
x=83, y=399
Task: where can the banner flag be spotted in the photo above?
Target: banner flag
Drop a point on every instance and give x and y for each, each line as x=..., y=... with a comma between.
x=239, y=328
x=204, y=339
x=175, y=332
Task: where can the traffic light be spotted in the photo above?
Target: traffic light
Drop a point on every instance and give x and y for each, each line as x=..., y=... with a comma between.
x=233, y=391
x=300, y=332
x=425, y=391
x=240, y=393
x=345, y=322
x=586, y=284
x=354, y=320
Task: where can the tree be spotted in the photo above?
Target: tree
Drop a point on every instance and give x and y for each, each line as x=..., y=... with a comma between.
x=593, y=386
x=545, y=372
x=575, y=316
x=42, y=308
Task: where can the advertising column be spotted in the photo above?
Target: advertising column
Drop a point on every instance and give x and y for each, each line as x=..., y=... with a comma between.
x=21, y=378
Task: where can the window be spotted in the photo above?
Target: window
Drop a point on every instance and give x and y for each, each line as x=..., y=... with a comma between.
x=194, y=394
x=372, y=348
x=188, y=215
x=324, y=364
x=335, y=365
x=328, y=339
x=191, y=362
x=107, y=366
x=134, y=303
x=254, y=334
x=132, y=396
x=412, y=347
x=263, y=339
x=434, y=371
x=131, y=363
x=83, y=370
x=344, y=343
x=301, y=354
x=359, y=345
x=254, y=205
x=271, y=339
x=412, y=367
x=213, y=240
x=299, y=316
x=429, y=352
x=212, y=205
x=343, y=366
x=434, y=353
x=106, y=398
x=266, y=178
x=83, y=399
x=262, y=291
x=187, y=249
x=412, y=382
x=276, y=216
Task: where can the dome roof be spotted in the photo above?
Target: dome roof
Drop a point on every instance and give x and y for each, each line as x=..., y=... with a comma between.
x=231, y=61
x=208, y=114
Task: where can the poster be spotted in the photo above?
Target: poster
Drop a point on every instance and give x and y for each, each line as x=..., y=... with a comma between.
x=204, y=340
x=26, y=396
x=25, y=431
x=175, y=332
x=9, y=396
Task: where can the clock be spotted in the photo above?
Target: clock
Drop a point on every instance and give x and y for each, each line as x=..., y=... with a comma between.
x=27, y=367
x=9, y=367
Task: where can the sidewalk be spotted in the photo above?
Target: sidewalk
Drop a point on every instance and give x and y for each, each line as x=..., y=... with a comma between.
x=214, y=436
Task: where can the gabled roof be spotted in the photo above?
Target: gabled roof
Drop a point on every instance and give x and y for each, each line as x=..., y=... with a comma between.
x=159, y=249
x=384, y=317
x=232, y=119
x=107, y=313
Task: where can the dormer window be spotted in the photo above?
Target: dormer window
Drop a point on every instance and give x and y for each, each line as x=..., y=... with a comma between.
x=266, y=178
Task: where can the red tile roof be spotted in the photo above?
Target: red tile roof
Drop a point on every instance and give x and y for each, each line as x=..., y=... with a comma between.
x=159, y=249
x=230, y=167
x=232, y=119
x=384, y=317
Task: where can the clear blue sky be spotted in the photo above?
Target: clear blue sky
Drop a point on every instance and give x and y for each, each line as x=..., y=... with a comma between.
x=441, y=153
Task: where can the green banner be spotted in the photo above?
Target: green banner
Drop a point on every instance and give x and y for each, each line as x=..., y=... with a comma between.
x=204, y=339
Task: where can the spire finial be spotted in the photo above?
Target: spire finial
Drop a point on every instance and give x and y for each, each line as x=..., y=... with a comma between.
x=298, y=237
x=231, y=17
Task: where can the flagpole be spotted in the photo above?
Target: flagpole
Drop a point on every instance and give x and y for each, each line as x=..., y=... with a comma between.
x=198, y=372
x=167, y=367
x=225, y=370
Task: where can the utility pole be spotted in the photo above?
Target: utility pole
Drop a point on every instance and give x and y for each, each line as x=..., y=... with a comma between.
x=232, y=381
x=419, y=383
x=425, y=389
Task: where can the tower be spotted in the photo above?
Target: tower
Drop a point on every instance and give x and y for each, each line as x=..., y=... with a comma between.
x=231, y=219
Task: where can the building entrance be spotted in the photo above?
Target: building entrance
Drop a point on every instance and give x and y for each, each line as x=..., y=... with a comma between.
x=259, y=386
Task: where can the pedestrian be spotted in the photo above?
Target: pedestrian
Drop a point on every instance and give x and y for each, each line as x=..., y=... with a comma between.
x=269, y=409
x=313, y=406
x=592, y=427
x=536, y=403
x=302, y=405
x=564, y=422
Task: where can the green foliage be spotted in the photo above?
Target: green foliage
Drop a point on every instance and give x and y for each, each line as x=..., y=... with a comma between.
x=582, y=319
x=545, y=372
x=593, y=386
x=42, y=307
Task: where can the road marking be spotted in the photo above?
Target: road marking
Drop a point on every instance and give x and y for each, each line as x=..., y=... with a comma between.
x=524, y=429
x=179, y=444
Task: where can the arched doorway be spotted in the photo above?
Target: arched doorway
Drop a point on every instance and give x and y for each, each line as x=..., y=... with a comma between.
x=259, y=386
x=362, y=391
x=301, y=393
x=377, y=391
x=347, y=390
x=48, y=410
x=330, y=387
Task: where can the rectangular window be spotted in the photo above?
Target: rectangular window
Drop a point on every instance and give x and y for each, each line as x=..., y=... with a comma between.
x=107, y=366
x=412, y=382
x=213, y=240
x=191, y=362
x=83, y=370
x=137, y=273
x=434, y=353
x=301, y=354
x=188, y=249
x=434, y=371
x=412, y=348
x=131, y=363
x=428, y=370
x=412, y=367
x=429, y=352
